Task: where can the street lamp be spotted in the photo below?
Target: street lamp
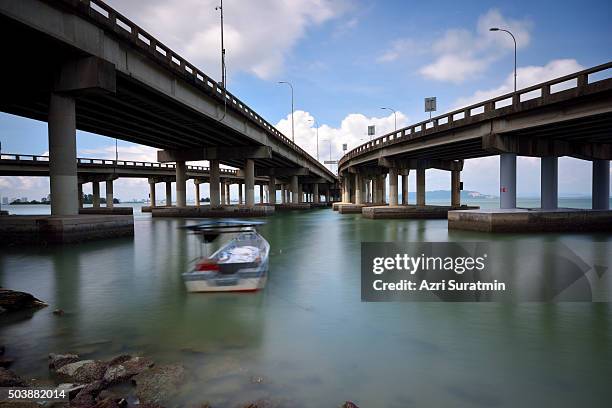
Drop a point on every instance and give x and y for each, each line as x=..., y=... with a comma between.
x=394, y=116
x=223, y=71
x=514, y=39
x=292, y=124
x=317, y=126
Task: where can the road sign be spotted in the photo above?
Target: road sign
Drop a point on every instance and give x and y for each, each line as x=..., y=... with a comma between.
x=371, y=130
x=330, y=162
x=344, y=146
x=430, y=104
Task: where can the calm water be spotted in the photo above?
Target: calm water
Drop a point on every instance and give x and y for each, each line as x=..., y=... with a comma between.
x=307, y=334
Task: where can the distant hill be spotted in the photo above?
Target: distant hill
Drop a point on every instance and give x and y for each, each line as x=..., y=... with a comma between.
x=446, y=194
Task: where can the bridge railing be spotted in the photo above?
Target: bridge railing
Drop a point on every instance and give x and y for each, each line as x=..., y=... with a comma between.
x=572, y=85
x=84, y=161
x=108, y=17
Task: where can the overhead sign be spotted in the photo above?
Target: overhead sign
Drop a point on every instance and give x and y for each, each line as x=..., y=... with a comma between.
x=371, y=130
x=344, y=146
x=330, y=162
x=430, y=104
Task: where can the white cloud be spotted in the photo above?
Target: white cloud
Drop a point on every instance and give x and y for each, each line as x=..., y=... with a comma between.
x=526, y=76
x=258, y=35
x=400, y=47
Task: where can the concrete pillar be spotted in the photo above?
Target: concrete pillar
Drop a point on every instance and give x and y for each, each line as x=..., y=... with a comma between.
x=549, y=183
x=249, y=182
x=327, y=194
x=294, y=190
x=507, y=180
x=168, y=193
x=455, y=188
x=315, y=189
x=601, y=185
x=261, y=194
x=196, y=184
x=228, y=196
x=152, y=193
x=95, y=186
x=405, y=188
x=377, y=183
x=62, y=155
x=109, y=194
x=283, y=194
x=420, y=193
x=367, y=197
x=272, y=190
x=240, y=199
x=181, y=178
x=215, y=196
x=393, y=193
x=384, y=188
x=358, y=193
x=300, y=193
x=80, y=194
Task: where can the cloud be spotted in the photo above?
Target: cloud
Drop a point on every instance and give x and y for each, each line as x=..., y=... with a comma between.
x=526, y=76
x=258, y=35
x=460, y=54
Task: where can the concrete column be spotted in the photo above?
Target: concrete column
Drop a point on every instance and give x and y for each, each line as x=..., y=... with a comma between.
x=384, y=188
x=358, y=193
x=294, y=190
x=393, y=193
x=95, y=186
x=228, y=196
x=272, y=190
x=327, y=194
x=80, y=194
x=240, y=199
x=315, y=189
x=181, y=178
x=152, y=193
x=420, y=193
x=215, y=196
x=405, y=188
x=455, y=188
x=196, y=183
x=168, y=193
x=62, y=155
x=507, y=180
x=377, y=182
x=261, y=194
x=549, y=183
x=283, y=194
x=109, y=194
x=601, y=185
x=300, y=193
x=367, y=198
x=249, y=182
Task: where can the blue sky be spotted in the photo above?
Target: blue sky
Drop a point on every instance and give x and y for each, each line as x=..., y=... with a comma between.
x=348, y=58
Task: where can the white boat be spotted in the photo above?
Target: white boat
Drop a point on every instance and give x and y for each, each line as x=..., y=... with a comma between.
x=240, y=265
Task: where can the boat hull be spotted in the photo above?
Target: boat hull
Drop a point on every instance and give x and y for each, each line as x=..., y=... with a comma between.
x=210, y=285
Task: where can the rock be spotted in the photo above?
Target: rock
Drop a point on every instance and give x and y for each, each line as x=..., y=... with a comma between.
x=57, y=361
x=84, y=371
x=125, y=370
x=6, y=362
x=86, y=398
x=58, y=312
x=11, y=301
x=71, y=389
x=159, y=384
x=107, y=403
x=120, y=359
x=10, y=379
x=18, y=404
x=349, y=404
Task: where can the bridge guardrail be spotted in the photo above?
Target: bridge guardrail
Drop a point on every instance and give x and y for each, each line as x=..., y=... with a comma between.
x=571, y=85
x=108, y=17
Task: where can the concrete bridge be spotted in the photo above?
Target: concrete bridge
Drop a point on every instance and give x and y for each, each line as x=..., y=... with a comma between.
x=79, y=64
x=567, y=116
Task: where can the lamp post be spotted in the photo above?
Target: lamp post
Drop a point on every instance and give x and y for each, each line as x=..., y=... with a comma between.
x=317, y=127
x=513, y=39
x=292, y=124
x=394, y=115
x=223, y=72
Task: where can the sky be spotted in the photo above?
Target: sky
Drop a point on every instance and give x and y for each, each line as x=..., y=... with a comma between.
x=346, y=60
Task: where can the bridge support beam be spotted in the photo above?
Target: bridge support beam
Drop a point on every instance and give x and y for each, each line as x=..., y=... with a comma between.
x=315, y=191
x=507, y=180
x=300, y=193
x=109, y=194
x=405, y=187
x=214, y=184
x=261, y=194
x=80, y=194
x=228, y=195
x=152, y=193
x=393, y=198
x=95, y=187
x=420, y=187
x=62, y=155
x=358, y=187
x=455, y=188
x=383, y=179
x=196, y=184
x=168, y=193
x=272, y=190
x=181, y=178
x=240, y=197
x=601, y=185
x=249, y=182
x=294, y=190
x=549, y=183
